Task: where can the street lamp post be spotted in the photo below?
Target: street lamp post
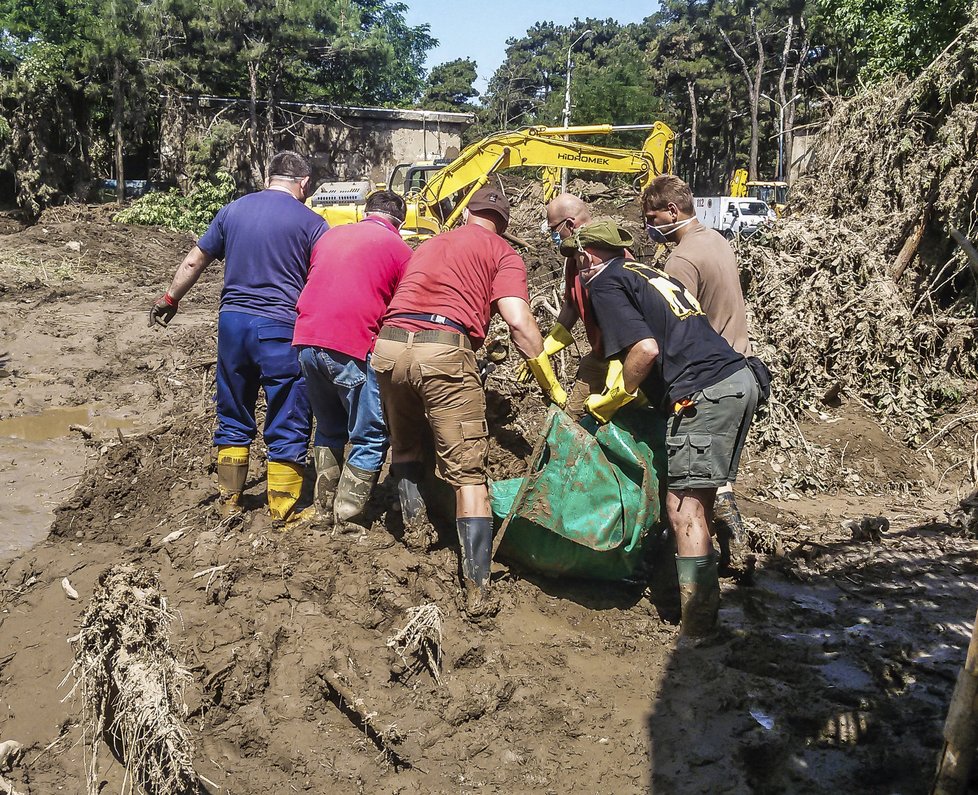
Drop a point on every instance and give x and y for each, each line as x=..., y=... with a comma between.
x=781, y=109
x=567, y=98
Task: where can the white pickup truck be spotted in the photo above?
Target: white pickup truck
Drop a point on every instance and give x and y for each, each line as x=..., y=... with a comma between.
x=732, y=215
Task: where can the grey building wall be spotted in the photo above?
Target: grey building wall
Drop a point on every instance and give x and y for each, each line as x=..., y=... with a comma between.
x=343, y=143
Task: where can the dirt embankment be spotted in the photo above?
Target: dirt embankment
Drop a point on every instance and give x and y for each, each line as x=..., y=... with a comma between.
x=834, y=664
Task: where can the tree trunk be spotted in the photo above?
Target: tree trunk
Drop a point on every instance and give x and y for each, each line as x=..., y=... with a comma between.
x=784, y=156
x=755, y=96
x=253, y=143
x=693, y=124
x=789, y=125
x=753, y=87
x=118, y=114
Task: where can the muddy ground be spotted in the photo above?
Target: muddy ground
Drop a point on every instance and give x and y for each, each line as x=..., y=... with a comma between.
x=834, y=665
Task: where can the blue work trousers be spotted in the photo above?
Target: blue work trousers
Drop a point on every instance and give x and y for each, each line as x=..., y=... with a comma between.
x=255, y=352
x=346, y=402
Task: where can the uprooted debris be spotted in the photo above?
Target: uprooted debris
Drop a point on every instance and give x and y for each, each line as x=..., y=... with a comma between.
x=130, y=681
x=868, y=291
x=418, y=643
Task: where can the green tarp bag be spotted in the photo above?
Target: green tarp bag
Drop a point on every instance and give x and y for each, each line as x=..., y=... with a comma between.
x=589, y=503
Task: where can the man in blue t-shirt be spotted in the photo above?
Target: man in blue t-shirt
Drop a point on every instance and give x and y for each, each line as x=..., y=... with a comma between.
x=665, y=345
x=265, y=240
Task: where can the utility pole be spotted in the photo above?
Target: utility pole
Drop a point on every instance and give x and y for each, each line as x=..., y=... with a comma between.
x=567, y=98
x=781, y=110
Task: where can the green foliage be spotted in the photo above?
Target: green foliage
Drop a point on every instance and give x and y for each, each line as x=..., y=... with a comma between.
x=450, y=86
x=892, y=36
x=206, y=152
x=191, y=213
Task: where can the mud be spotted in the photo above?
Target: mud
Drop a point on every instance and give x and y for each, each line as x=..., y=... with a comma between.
x=834, y=664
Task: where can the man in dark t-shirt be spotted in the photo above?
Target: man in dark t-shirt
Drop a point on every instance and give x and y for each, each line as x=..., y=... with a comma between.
x=686, y=370
x=265, y=239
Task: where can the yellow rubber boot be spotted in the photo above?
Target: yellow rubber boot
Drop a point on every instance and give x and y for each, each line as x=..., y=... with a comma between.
x=232, y=472
x=284, y=487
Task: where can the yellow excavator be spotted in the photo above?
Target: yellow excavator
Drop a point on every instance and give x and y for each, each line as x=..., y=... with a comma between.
x=436, y=193
x=772, y=193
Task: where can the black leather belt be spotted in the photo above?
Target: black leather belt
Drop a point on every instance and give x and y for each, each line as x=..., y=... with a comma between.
x=428, y=335
x=438, y=320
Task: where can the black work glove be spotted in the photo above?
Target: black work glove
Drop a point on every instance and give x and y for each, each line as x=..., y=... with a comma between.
x=163, y=311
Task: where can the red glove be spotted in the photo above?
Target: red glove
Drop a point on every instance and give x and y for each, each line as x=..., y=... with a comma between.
x=163, y=310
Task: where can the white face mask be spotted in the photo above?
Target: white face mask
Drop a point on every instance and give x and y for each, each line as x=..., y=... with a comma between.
x=592, y=269
x=657, y=233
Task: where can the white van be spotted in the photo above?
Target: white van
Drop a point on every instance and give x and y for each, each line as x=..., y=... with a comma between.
x=732, y=215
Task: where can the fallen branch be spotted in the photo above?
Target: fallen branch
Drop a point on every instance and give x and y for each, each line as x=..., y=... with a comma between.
x=960, y=728
x=386, y=740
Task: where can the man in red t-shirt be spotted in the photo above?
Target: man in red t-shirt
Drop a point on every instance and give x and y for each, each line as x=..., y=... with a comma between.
x=354, y=271
x=425, y=363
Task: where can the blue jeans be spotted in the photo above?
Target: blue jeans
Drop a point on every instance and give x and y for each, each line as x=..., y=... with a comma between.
x=346, y=402
x=255, y=352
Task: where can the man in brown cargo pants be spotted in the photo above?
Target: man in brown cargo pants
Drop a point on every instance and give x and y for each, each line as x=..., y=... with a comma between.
x=426, y=368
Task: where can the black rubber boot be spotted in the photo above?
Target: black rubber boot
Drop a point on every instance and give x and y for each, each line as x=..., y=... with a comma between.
x=726, y=513
x=727, y=525
x=418, y=532
x=475, y=540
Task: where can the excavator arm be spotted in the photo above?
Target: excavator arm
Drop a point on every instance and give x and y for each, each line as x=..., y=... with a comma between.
x=537, y=147
x=445, y=192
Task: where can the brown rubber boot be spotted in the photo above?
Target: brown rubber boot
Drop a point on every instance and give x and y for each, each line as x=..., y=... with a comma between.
x=353, y=491
x=699, y=592
x=232, y=473
x=329, y=461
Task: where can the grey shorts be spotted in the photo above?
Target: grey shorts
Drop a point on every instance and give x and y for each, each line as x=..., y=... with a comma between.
x=705, y=441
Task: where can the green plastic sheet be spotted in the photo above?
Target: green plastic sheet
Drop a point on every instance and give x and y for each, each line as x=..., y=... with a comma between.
x=589, y=502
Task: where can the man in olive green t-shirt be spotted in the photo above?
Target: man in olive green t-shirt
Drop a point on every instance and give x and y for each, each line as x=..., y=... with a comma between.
x=706, y=265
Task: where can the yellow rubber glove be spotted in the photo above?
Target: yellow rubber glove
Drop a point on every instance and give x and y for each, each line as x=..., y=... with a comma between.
x=603, y=407
x=556, y=340
x=544, y=373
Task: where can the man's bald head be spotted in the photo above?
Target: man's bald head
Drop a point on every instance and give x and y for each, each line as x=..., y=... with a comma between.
x=565, y=213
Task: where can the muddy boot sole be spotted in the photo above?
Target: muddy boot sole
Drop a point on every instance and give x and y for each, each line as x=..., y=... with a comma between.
x=479, y=604
x=419, y=535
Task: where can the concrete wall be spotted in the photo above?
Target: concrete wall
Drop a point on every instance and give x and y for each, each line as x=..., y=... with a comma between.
x=343, y=143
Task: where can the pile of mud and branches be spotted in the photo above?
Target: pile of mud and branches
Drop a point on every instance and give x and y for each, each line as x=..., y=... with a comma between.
x=868, y=290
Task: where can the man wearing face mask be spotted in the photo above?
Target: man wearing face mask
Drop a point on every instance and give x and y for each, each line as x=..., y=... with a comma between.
x=426, y=367
x=707, y=267
x=566, y=214
x=667, y=347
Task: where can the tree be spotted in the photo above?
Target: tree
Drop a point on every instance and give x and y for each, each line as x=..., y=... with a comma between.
x=450, y=86
x=897, y=35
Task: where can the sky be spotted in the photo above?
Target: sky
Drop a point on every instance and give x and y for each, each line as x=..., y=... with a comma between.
x=478, y=29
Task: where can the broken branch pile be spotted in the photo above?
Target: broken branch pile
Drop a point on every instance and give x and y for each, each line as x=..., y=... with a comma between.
x=867, y=291
x=131, y=681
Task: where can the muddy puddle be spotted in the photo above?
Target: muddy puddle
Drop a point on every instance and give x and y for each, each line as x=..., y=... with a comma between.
x=55, y=423
x=41, y=458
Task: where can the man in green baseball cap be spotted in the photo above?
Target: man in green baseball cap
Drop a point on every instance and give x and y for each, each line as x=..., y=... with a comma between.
x=656, y=329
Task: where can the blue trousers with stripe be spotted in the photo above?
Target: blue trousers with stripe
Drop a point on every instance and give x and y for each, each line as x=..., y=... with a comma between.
x=255, y=352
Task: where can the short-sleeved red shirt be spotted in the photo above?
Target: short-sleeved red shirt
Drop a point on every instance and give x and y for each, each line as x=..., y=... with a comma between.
x=354, y=271
x=574, y=293
x=460, y=275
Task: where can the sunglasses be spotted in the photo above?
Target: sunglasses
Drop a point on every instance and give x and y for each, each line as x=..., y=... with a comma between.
x=559, y=224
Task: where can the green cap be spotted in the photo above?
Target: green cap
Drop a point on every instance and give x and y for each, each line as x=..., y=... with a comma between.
x=602, y=232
